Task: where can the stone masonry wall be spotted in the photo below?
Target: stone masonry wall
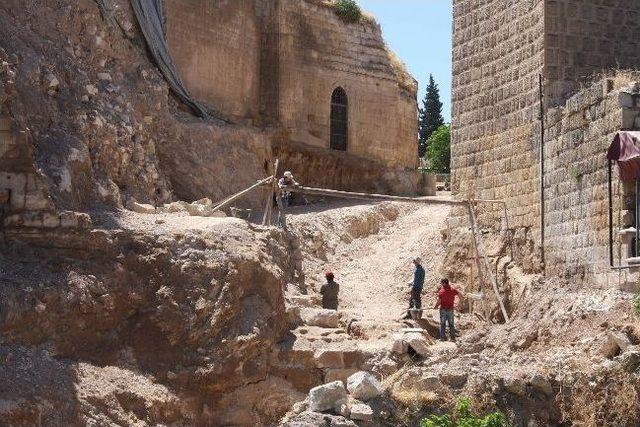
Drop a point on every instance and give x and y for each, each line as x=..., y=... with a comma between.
x=579, y=134
x=320, y=52
x=585, y=37
x=215, y=45
x=24, y=196
x=497, y=57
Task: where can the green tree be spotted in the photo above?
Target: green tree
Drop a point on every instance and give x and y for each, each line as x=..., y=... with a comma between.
x=429, y=116
x=438, y=154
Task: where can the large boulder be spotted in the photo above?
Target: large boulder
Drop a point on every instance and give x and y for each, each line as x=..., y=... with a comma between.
x=322, y=318
x=364, y=386
x=418, y=342
x=327, y=397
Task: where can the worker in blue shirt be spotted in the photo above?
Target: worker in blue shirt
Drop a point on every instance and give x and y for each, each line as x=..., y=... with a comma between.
x=415, y=292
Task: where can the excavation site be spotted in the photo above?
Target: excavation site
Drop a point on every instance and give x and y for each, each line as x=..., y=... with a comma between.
x=242, y=213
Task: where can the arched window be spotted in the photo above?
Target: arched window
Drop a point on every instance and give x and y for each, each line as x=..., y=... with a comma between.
x=339, y=120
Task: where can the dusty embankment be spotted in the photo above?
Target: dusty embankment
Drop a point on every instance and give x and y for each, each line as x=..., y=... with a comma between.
x=553, y=364
x=129, y=326
x=178, y=320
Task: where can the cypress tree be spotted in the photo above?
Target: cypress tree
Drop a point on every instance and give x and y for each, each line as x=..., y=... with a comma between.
x=430, y=116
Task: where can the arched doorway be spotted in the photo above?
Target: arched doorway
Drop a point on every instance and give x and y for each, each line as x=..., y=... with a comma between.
x=339, y=120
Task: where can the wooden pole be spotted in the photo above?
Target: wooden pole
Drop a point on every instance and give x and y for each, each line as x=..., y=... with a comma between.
x=372, y=196
x=494, y=282
x=240, y=194
x=268, y=210
x=477, y=259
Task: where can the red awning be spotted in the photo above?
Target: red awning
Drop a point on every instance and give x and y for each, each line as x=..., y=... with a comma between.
x=625, y=149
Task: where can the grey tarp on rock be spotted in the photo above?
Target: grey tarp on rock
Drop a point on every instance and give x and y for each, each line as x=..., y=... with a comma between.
x=150, y=16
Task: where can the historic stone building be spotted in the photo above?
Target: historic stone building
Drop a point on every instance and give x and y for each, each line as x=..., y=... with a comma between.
x=346, y=104
x=500, y=50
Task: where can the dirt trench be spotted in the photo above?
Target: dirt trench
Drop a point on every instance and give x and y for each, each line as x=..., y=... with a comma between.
x=215, y=322
x=534, y=369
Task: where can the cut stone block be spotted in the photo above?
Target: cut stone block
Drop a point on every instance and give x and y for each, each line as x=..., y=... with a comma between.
x=364, y=386
x=327, y=397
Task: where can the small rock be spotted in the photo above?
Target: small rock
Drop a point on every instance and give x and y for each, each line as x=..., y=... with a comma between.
x=91, y=90
x=175, y=207
x=515, y=386
x=51, y=82
x=322, y=318
x=614, y=344
x=104, y=77
x=160, y=221
x=364, y=386
x=541, y=384
x=361, y=412
x=326, y=397
x=140, y=207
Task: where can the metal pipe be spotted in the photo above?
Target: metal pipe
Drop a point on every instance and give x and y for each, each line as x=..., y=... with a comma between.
x=610, y=190
x=637, y=215
x=542, y=202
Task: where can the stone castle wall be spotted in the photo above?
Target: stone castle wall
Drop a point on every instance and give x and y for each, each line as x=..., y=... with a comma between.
x=320, y=52
x=277, y=62
x=582, y=38
x=216, y=47
x=497, y=57
x=576, y=194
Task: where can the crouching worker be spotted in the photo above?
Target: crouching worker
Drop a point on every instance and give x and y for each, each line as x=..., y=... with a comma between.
x=284, y=183
x=446, y=303
x=329, y=292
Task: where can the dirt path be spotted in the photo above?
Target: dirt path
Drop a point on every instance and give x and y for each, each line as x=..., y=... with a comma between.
x=373, y=263
x=375, y=271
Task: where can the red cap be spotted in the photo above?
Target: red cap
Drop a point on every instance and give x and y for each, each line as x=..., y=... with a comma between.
x=329, y=274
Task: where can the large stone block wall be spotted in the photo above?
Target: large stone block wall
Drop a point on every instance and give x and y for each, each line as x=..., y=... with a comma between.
x=499, y=52
x=497, y=57
x=584, y=37
x=320, y=52
x=24, y=195
x=576, y=183
x=215, y=45
x=349, y=172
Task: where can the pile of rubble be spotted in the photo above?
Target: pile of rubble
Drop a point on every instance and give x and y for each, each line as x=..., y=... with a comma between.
x=342, y=404
x=203, y=207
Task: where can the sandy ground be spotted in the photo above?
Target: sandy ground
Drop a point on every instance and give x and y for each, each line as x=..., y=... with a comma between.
x=375, y=272
x=370, y=248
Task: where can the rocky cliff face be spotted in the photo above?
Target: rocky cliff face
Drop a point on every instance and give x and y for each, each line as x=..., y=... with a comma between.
x=100, y=119
x=124, y=326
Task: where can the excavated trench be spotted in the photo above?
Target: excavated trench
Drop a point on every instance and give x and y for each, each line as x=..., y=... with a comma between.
x=532, y=368
x=217, y=322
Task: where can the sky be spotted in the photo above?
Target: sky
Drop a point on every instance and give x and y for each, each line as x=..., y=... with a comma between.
x=419, y=32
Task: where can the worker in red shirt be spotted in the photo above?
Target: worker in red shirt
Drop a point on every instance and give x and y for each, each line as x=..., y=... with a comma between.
x=446, y=302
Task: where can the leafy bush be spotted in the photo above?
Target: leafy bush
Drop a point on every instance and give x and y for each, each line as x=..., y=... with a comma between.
x=464, y=417
x=348, y=10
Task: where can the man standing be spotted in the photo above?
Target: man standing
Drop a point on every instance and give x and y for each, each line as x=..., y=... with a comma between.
x=446, y=301
x=329, y=292
x=415, y=293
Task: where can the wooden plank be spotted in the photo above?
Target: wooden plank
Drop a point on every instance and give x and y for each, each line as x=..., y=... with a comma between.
x=372, y=196
x=241, y=193
x=492, y=277
x=477, y=252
